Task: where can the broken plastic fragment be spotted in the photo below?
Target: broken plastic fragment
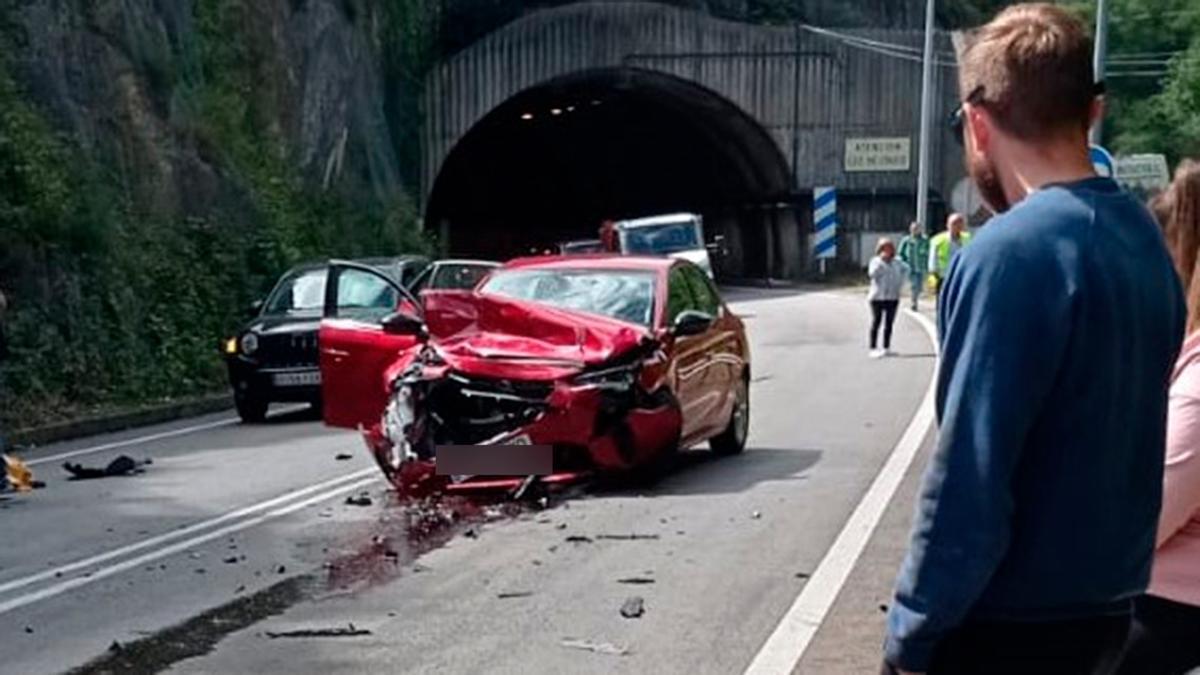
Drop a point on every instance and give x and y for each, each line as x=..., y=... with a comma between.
x=597, y=647
x=634, y=607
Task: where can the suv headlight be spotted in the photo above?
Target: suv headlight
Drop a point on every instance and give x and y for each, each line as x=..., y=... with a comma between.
x=249, y=343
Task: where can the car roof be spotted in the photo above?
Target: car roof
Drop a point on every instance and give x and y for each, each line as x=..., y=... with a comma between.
x=658, y=220
x=594, y=261
x=458, y=261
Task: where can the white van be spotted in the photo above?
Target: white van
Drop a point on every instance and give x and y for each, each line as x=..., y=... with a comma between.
x=678, y=235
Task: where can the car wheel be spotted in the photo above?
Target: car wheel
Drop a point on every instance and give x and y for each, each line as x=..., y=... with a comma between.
x=250, y=407
x=732, y=440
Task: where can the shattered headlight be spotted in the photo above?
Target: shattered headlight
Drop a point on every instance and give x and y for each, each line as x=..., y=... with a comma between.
x=620, y=378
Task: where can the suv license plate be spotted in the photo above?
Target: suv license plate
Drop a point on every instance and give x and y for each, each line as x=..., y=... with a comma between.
x=296, y=379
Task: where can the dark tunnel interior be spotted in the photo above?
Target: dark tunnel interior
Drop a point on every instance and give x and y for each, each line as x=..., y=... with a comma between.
x=554, y=161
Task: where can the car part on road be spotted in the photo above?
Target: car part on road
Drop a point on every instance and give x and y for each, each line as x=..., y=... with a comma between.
x=343, y=456
x=636, y=580
x=626, y=537
x=362, y=499
x=597, y=647
x=121, y=466
x=634, y=607
x=18, y=477
x=514, y=594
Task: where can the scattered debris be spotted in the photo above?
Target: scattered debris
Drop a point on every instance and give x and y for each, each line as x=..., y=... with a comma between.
x=201, y=570
x=349, y=631
x=635, y=580
x=579, y=539
x=239, y=589
x=626, y=537
x=281, y=570
x=194, y=555
x=560, y=526
x=231, y=560
x=471, y=534
x=391, y=614
x=883, y=608
x=535, y=562
x=756, y=515
x=29, y=630
x=596, y=647
x=362, y=499
x=121, y=466
x=18, y=477
x=343, y=456
x=634, y=607
x=417, y=569
x=680, y=532
x=514, y=594
x=802, y=575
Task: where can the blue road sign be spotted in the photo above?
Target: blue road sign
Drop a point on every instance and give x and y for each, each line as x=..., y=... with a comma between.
x=825, y=222
x=1102, y=161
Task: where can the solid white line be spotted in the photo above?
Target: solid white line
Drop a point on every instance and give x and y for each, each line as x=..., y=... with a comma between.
x=181, y=532
x=60, y=588
x=153, y=437
x=787, y=644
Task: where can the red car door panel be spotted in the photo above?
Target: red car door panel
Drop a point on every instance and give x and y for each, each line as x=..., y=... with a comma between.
x=355, y=350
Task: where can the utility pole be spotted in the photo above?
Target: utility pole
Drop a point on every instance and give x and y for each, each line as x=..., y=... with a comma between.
x=1100, y=57
x=926, y=119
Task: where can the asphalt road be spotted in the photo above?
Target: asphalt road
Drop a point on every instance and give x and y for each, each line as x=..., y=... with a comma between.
x=236, y=534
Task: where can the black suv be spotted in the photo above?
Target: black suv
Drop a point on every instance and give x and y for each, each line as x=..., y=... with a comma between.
x=274, y=358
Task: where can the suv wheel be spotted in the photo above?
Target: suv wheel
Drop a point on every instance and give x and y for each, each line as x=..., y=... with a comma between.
x=250, y=407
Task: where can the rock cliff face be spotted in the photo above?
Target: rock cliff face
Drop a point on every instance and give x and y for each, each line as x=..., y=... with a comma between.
x=126, y=78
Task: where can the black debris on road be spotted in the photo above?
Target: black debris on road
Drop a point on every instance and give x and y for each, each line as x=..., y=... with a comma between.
x=634, y=607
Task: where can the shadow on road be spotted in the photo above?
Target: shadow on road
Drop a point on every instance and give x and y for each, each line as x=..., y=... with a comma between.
x=700, y=472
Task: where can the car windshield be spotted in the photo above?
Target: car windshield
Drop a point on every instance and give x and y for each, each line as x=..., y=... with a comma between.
x=624, y=295
x=298, y=293
x=459, y=277
x=661, y=239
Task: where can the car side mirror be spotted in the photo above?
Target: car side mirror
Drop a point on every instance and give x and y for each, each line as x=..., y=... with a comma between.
x=256, y=306
x=691, y=322
x=403, y=323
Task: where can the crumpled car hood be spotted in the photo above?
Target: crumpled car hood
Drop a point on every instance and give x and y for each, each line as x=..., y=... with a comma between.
x=500, y=337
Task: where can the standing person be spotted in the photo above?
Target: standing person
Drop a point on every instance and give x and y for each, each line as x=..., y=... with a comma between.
x=944, y=245
x=914, y=253
x=1167, y=619
x=887, y=277
x=1060, y=325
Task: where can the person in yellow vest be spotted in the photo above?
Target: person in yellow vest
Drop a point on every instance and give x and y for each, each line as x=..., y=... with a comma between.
x=943, y=246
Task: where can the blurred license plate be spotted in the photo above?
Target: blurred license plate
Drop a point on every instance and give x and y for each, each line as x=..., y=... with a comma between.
x=296, y=379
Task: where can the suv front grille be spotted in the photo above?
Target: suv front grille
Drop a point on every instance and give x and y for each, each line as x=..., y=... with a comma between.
x=288, y=350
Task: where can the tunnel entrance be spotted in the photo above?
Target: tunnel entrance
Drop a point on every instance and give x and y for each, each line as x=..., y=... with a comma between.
x=552, y=162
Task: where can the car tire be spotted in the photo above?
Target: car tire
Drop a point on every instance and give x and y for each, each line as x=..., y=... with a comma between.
x=251, y=408
x=732, y=440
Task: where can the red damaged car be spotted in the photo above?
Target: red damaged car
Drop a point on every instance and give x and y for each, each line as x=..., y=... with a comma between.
x=611, y=361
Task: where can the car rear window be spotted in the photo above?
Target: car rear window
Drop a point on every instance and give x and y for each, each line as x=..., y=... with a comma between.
x=624, y=295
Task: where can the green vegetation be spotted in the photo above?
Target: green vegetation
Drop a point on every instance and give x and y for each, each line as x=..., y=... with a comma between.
x=113, y=304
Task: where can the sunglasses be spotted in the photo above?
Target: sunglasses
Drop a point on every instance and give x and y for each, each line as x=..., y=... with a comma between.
x=957, y=119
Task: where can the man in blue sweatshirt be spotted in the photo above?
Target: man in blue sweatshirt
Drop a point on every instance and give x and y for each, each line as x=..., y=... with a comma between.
x=1059, y=325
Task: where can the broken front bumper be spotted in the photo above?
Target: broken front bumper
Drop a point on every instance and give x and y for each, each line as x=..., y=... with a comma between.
x=600, y=421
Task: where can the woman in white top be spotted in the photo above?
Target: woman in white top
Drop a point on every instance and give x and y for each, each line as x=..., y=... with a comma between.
x=887, y=277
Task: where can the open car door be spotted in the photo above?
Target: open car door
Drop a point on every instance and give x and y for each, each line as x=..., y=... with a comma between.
x=356, y=345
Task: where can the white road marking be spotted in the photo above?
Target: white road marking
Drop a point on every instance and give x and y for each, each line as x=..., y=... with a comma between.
x=179, y=547
x=181, y=532
x=787, y=644
x=154, y=437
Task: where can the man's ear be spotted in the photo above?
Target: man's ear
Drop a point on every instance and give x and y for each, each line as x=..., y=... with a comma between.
x=979, y=123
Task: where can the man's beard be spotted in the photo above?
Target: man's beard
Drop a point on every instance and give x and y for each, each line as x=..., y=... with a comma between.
x=983, y=172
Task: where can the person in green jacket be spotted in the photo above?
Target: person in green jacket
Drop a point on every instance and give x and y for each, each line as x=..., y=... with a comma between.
x=944, y=245
x=914, y=253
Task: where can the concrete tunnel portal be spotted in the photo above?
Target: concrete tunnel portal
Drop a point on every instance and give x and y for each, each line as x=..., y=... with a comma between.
x=553, y=161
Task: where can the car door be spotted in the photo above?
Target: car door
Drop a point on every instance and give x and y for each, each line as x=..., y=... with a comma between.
x=723, y=361
x=690, y=359
x=354, y=348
